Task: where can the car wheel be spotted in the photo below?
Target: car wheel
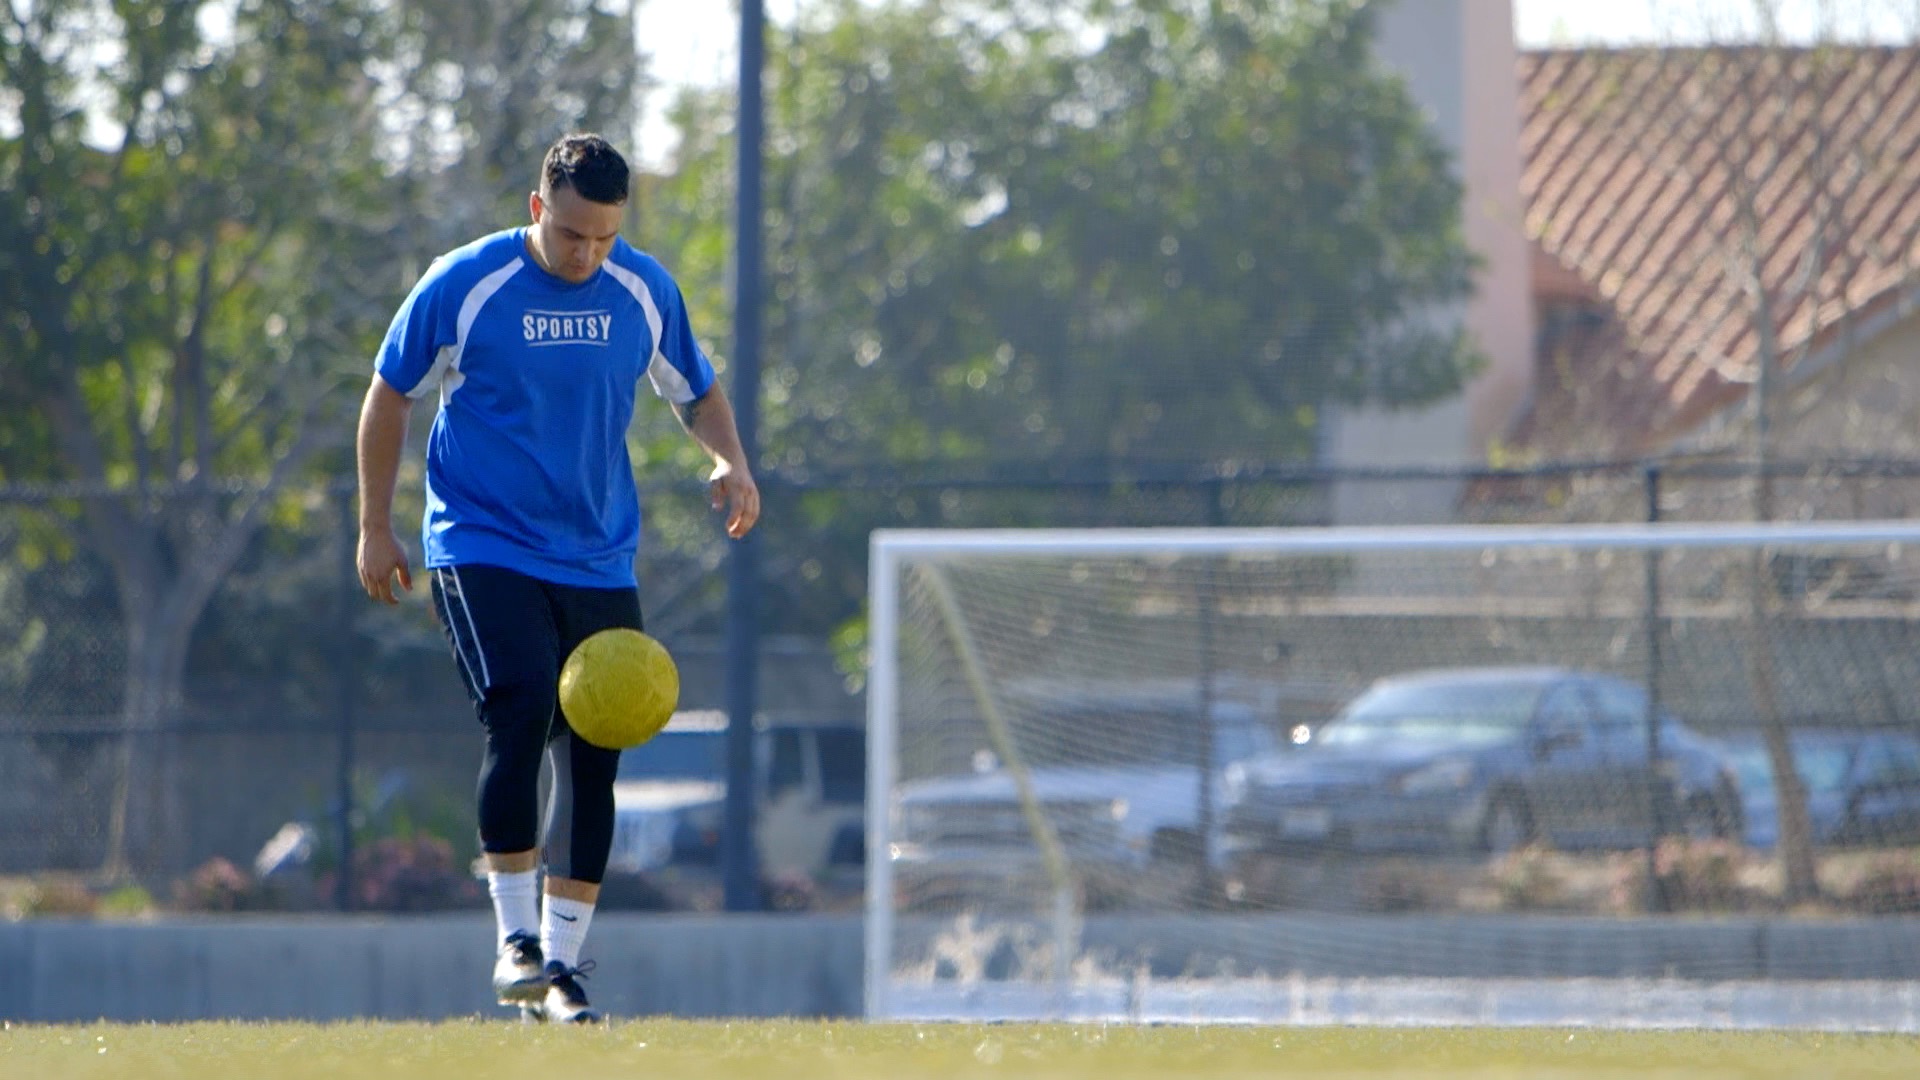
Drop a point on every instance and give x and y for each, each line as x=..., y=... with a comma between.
x=1508, y=825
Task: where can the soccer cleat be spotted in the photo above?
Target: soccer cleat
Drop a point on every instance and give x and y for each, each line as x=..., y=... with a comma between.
x=566, y=1002
x=520, y=975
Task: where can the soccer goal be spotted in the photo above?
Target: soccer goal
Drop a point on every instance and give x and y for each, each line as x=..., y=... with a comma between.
x=1502, y=774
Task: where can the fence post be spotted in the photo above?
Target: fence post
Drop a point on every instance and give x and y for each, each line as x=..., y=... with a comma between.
x=739, y=853
x=344, y=697
x=1656, y=899
x=1206, y=884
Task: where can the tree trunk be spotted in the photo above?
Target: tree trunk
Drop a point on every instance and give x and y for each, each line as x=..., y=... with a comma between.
x=1795, y=828
x=1795, y=832
x=145, y=833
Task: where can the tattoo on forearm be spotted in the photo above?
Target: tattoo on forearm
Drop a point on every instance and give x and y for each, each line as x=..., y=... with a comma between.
x=690, y=410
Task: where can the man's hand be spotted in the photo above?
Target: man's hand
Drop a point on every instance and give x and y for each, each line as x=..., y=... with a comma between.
x=382, y=557
x=734, y=490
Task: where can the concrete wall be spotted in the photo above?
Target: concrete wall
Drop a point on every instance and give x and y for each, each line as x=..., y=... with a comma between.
x=427, y=967
x=430, y=968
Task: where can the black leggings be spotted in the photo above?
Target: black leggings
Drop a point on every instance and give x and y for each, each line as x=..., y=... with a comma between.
x=510, y=633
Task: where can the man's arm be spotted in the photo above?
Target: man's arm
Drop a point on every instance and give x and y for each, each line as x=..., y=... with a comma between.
x=383, y=432
x=709, y=420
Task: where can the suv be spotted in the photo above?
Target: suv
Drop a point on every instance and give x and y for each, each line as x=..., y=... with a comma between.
x=1126, y=804
x=669, y=803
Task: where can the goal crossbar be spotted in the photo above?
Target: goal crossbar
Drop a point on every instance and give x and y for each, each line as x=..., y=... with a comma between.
x=1308, y=540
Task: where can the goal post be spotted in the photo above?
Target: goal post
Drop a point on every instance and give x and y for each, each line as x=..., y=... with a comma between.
x=1492, y=773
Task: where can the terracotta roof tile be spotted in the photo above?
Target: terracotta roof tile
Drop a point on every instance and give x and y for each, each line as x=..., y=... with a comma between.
x=1664, y=179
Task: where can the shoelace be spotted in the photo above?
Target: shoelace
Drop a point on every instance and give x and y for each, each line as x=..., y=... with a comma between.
x=567, y=982
x=525, y=946
x=573, y=973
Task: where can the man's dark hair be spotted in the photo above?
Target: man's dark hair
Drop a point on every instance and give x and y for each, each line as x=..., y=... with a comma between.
x=589, y=165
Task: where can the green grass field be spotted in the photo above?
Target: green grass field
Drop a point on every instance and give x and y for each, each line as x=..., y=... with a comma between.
x=844, y=1050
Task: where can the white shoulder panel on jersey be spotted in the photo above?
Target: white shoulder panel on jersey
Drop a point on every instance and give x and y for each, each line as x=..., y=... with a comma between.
x=666, y=379
x=445, y=372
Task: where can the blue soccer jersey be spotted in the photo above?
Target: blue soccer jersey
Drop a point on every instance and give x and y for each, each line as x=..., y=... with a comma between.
x=527, y=462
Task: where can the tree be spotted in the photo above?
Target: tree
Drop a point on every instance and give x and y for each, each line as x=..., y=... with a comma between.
x=1175, y=245
x=1781, y=133
x=182, y=314
x=192, y=300
x=1790, y=239
x=1035, y=237
x=478, y=91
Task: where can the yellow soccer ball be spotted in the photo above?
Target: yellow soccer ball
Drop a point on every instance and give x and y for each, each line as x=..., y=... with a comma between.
x=619, y=688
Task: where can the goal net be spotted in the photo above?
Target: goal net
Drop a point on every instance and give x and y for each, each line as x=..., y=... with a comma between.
x=1496, y=774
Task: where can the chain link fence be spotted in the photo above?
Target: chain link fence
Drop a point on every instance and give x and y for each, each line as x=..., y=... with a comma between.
x=202, y=708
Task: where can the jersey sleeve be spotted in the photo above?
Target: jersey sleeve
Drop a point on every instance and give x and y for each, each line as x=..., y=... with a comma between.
x=422, y=327
x=680, y=371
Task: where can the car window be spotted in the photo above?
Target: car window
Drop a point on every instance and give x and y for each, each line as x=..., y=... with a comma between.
x=843, y=766
x=1236, y=742
x=1119, y=734
x=788, y=768
x=1465, y=713
x=677, y=755
x=1565, y=711
x=1752, y=769
x=1890, y=762
x=1621, y=708
x=1823, y=766
x=1905, y=755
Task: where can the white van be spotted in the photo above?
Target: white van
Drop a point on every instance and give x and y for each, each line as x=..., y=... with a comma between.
x=670, y=805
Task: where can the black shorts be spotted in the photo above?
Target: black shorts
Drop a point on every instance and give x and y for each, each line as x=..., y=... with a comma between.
x=510, y=631
x=510, y=634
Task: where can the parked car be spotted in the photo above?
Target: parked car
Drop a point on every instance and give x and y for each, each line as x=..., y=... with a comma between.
x=1863, y=785
x=670, y=802
x=1487, y=759
x=1120, y=787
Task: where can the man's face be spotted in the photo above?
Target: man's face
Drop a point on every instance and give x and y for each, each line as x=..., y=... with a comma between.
x=572, y=235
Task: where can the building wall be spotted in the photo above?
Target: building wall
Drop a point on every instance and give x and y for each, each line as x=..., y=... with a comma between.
x=1866, y=403
x=1857, y=399
x=1458, y=59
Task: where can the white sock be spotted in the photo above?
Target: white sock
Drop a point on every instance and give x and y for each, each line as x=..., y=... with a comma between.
x=563, y=928
x=516, y=902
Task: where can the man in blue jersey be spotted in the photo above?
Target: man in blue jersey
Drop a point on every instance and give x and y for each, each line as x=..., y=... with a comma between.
x=535, y=340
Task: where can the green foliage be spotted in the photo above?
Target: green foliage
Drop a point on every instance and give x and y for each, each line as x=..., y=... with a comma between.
x=205, y=226
x=126, y=902
x=481, y=90
x=1043, y=237
x=999, y=241
x=850, y=654
x=1035, y=241
x=177, y=318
